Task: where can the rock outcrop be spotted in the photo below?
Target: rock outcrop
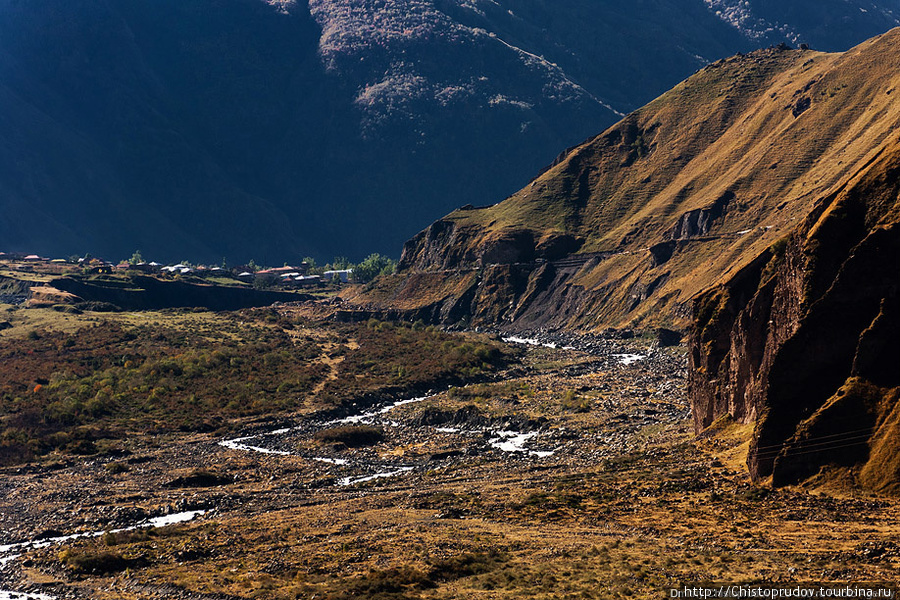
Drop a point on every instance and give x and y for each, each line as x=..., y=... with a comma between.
x=803, y=341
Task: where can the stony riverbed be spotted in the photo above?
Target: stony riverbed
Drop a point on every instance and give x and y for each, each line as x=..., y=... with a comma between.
x=581, y=433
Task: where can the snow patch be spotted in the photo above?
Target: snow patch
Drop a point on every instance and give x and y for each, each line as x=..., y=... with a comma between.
x=6, y=595
x=165, y=520
x=354, y=480
x=10, y=552
x=513, y=441
x=627, y=359
x=368, y=416
x=238, y=444
x=333, y=461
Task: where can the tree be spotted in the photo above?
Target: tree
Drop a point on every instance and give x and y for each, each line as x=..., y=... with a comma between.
x=373, y=266
x=341, y=263
x=136, y=258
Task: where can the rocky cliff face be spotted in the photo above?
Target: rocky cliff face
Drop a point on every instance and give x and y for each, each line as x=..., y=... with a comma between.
x=803, y=341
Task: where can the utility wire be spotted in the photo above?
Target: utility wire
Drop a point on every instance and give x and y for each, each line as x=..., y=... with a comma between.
x=804, y=445
x=822, y=437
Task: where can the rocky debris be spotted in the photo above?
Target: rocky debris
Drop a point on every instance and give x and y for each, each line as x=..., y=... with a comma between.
x=439, y=456
x=438, y=434
x=668, y=337
x=470, y=418
x=467, y=416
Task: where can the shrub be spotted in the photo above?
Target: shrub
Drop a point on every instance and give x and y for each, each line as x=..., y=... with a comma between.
x=352, y=436
x=465, y=565
x=116, y=468
x=393, y=583
x=575, y=403
x=95, y=563
x=200, y=478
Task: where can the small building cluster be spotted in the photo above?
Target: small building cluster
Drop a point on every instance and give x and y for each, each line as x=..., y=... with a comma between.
x=285, y=277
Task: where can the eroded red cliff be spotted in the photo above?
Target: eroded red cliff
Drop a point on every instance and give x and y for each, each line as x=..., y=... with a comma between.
x=804, y=340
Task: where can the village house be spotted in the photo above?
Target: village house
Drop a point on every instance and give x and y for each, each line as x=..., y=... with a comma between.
x=342, y=275
x=285, y=270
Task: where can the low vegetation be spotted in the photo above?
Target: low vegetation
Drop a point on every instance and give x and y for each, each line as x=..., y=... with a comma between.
x=351, y=436
x=79, y=387
x=628, y=506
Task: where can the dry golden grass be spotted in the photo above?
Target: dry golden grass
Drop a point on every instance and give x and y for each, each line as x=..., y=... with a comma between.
x=591, y=522
x=734, y=130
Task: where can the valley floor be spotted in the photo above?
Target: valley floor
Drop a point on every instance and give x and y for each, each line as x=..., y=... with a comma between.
x=573, y=475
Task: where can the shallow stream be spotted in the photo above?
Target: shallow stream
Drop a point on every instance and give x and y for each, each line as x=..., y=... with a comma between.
x=273, y=442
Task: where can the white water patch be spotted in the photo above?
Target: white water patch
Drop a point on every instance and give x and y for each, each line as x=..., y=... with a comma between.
x=241, y=442
x=238, y=444
x=527, y=341
x=7, y=559
x=368, y=416
x=154, y=522
x=627, y=359
x=354, y=480
x=6, y=595
x=6, y=549
x=333, y=461
x=506, y=441
x=165, y=520
x=513, y=441
x=534, y=342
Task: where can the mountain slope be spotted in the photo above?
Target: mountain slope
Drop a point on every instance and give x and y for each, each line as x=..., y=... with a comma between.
x=802, y=342
x=626, y=229
x=202, y=128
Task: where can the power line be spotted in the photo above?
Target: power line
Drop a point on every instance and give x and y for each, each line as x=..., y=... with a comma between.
x=790, y=453
x=822, y=437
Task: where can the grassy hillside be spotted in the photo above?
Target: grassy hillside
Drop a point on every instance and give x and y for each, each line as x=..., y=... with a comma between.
x=685, y=191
